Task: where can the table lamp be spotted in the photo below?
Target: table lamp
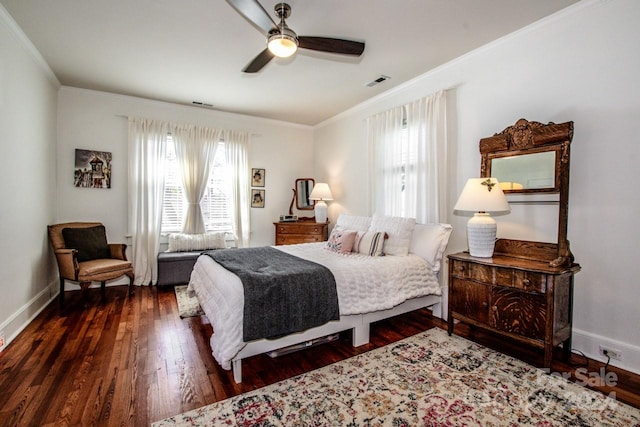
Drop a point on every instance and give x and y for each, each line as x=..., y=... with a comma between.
x=482, y=195
x=320, y=193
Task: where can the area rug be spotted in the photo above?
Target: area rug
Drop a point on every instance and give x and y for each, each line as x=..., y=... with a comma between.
x=429, y=379
x=187, y=306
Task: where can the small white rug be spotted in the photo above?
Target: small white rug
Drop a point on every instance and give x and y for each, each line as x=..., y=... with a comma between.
x=187, y=306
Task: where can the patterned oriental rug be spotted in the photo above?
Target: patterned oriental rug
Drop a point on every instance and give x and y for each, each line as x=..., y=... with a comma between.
x=429, y=379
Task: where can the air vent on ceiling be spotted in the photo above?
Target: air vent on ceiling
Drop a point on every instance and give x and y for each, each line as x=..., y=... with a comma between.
x=202, y=104
x=379, y=80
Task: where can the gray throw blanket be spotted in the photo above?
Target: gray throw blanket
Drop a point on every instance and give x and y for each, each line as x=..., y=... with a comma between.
x=283, y=294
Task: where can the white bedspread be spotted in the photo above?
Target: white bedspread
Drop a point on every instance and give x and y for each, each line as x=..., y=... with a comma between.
x=365, y=284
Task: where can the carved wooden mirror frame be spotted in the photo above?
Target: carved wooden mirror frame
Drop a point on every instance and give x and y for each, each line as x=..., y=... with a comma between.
x=526, y=137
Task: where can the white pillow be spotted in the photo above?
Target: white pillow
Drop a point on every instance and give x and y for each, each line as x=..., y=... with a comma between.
x=429, y=242
x=354, y=222
x=398, y=229
x=179, y=242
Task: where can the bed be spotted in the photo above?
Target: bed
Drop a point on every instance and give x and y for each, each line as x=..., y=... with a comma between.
x=369, y=288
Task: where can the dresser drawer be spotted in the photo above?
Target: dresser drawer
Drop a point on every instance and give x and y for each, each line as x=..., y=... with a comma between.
x=300, y=229
x=501, y=276
x=291, y=233
x=292, y=239
x=478, y=272
x=525, y=280
x=529, y=281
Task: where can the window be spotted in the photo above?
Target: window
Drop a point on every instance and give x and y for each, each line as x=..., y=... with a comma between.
x=215, y=204
x=408, y=167
x=400, y=167
x=400, y=161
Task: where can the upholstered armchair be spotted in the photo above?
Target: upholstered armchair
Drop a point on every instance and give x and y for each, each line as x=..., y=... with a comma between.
x=84, y=256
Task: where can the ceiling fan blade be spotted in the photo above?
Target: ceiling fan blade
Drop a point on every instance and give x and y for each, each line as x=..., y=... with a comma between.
x=258, y=62
x=253, y=12
x=327, y=44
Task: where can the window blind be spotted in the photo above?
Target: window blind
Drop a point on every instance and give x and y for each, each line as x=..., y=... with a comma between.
x=215, y=203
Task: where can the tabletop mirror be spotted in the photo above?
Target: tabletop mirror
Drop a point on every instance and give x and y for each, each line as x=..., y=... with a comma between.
x=529, y=158
x=301, y=192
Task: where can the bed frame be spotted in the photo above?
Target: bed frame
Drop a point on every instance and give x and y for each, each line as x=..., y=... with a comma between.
x=359, y=323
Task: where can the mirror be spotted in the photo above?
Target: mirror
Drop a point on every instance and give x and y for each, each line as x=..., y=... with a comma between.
x=303, y=190
x=531, y=157
x=519, y=173
x=300, y=199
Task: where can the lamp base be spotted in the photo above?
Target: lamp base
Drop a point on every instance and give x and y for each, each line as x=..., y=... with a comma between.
x=481, y=235
x=320, y=211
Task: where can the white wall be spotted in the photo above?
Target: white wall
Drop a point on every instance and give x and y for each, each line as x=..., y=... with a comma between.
x=96, y=120
x=27, y=178
x=581, y=64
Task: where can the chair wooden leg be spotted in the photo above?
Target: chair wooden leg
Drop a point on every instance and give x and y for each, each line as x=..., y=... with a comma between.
x=103, y=286
x=83, y=290
x=131, y=277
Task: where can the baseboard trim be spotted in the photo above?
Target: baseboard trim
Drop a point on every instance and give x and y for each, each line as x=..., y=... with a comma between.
x=589, y=344
x=19, y=320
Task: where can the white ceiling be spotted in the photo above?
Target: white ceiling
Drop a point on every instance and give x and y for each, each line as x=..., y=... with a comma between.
x=194, y=50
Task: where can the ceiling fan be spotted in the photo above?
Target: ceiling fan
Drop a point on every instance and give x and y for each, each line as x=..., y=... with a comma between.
x=282, y=41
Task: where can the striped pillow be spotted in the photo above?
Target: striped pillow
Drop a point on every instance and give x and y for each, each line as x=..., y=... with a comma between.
x=370, y=243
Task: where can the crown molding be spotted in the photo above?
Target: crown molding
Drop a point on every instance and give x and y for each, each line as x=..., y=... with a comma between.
x=22, y=39
x=541, y=23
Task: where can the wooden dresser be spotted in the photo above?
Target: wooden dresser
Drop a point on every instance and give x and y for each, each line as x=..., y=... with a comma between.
x=515, y=293
x=289, y=233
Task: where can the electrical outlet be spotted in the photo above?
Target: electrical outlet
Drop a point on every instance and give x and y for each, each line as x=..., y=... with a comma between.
x=612, y=353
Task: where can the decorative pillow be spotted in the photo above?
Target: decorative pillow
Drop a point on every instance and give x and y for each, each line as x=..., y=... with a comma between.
x=429, y=242
x=90, y=242
x=399, y=231
x=341, y=240
x=370, y=243
x=353, y=222
x=179, y=242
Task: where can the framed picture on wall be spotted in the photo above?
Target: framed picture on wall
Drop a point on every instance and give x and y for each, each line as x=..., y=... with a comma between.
x=257, y=177
x=92, y=169
x=257, y=198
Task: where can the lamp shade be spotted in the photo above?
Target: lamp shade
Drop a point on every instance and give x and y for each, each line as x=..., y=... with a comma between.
x=482, y=195
x=321, y=192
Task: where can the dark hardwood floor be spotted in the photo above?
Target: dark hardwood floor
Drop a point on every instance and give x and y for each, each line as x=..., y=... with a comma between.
x=129, y=361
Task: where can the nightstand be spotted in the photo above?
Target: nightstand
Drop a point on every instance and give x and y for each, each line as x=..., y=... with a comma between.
x=514, y=295
x=290, y=233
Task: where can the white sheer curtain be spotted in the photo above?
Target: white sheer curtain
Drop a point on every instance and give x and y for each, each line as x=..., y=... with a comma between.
x=385, y=138
x=195, y=149
x=408, y=149
x=236, y=151
x=147, y=154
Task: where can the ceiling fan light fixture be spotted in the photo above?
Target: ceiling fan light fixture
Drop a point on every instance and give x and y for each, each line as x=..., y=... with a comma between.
x=282, y=41
x=282, y=45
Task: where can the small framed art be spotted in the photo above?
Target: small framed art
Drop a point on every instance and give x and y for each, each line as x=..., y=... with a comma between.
x=92, y=169
x=257, y=177
x=257, y=198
